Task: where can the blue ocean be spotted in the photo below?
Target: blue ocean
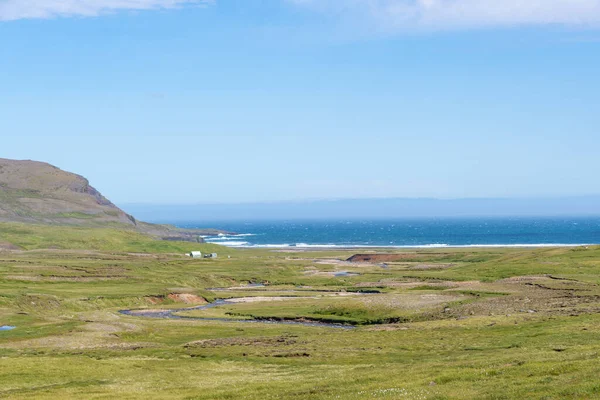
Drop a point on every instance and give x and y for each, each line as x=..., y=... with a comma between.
x=443, y=232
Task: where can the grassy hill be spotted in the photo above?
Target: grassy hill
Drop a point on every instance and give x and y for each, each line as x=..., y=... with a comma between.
x=38, y=193
x=32, y=191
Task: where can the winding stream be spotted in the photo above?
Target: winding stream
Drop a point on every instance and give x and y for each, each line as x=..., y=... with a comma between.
x=172, y=314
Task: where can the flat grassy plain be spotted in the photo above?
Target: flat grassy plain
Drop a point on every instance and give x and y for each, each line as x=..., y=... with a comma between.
x=438, y=324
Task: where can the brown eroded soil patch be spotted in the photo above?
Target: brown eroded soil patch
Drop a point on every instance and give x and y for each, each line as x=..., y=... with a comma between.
x=154, y=299
x=185, y=298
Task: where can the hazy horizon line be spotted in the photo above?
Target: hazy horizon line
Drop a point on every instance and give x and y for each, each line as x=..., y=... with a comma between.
x=371, y=208
x=334, y=199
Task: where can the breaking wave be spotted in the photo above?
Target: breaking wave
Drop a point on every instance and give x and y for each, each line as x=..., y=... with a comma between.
x=360, y=246
x=412, y=233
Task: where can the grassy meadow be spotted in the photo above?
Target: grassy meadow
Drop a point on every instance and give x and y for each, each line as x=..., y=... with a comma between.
x=437, y=324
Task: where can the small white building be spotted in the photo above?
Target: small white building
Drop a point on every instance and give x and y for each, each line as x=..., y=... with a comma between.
x=196, y=254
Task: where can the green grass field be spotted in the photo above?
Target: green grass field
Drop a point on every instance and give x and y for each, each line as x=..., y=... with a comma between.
x=439, y=324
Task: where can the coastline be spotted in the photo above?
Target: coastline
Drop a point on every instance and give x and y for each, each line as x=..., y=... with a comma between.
x=411, y=234
x=305, y=246
x=429, y=246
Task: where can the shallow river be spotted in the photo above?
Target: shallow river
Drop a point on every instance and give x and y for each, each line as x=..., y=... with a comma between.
x=172, y=314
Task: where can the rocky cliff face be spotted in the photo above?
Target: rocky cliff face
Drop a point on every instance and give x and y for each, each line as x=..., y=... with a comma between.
x=36, y=192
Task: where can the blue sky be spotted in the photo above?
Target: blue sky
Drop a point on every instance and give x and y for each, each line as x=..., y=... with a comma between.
x=167, y=101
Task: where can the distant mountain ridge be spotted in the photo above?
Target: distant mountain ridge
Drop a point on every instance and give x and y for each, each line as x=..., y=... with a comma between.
x=383, y=208
x=40, y=193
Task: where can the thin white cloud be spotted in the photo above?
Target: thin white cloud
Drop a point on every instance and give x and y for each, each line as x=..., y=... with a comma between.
x=456, y=14
x=26, y=9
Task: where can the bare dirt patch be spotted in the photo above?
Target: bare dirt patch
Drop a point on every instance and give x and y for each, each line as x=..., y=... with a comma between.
x=187, y=298
x=154, y=299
